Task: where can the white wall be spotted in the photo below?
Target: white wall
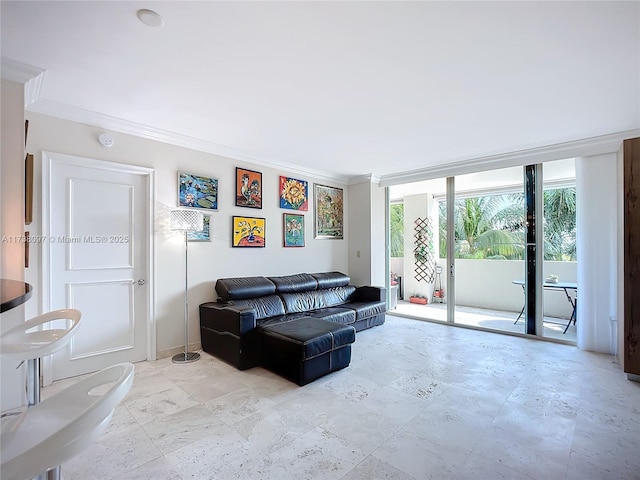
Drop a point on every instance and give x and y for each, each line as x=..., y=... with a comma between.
x=12, y=226
x=367, y=234
x=208, y=260
x=360, y=234
x=378, y=227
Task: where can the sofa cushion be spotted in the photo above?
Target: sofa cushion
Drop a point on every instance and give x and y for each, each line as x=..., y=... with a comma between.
x=344, y=316
x=314, y=300
x=331, y=279
x=243, y=287
x=288, y=317
x=367, y=309
x=294, y=283
x=263, y=307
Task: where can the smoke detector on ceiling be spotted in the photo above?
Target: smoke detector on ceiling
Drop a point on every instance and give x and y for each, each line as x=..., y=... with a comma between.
x=105, y=140
x=150, y=18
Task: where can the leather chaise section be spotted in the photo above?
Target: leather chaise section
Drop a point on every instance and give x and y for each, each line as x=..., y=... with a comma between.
x=312, y=337
x=306, y=349
x=343, y=315
x=367, y=309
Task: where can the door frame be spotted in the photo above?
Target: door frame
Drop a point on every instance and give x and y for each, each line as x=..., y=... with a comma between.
x=48, y=159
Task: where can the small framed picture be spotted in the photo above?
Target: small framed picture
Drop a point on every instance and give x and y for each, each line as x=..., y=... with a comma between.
x=248, y=188
x=202, y=235
x=249, y=232
x=329, y=212
x=294, y=194
x=195, y=191
x=293, y=230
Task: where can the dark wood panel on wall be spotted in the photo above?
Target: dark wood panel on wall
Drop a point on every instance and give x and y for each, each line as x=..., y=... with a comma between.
x=632, y=256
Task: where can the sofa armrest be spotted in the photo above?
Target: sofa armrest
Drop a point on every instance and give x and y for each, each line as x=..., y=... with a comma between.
x=225, y=318
x=370, y=294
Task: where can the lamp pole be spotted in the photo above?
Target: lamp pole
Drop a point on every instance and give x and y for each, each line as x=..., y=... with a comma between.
x=187, y=356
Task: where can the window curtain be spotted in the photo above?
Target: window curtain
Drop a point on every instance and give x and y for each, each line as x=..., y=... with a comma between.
x=597, y=233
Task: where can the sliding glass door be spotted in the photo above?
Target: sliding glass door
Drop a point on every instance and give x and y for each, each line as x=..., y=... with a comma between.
x=492, y=250
x=488, y=250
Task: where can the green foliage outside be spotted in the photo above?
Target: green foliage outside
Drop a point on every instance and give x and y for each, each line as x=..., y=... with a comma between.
x=396, y=223
x=492, y=226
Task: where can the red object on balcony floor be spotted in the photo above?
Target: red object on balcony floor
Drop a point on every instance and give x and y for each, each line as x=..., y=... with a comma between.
x=421, y=301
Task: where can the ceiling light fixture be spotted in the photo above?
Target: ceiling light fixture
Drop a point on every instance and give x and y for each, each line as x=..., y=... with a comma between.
x=150, y=18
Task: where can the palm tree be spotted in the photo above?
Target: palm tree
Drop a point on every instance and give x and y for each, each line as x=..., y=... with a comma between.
x=396, y=227
x=560, y=224
x=492, y=226
x=489, y=227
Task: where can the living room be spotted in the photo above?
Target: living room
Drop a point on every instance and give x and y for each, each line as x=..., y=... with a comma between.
x=59, y=133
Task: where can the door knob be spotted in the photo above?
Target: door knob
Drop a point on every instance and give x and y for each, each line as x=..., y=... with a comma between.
x=141, y=281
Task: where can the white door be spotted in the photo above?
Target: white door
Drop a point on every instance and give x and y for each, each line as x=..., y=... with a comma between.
x=98, y=244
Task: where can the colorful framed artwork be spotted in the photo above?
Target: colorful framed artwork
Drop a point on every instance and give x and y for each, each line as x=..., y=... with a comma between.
x=248, y=188
x=203, y=235
x=293, y=230
x=249, y=232
x=294, y=194
x=329, y=212
x=197, y=192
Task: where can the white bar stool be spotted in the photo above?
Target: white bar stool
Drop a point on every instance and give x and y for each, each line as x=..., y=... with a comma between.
x=21, y=343
x=56, y=429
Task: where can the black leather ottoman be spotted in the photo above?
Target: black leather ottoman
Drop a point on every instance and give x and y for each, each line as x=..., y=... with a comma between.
x=305, y=349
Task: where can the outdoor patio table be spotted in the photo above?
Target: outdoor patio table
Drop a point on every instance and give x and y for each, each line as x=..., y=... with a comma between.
x=564, y=286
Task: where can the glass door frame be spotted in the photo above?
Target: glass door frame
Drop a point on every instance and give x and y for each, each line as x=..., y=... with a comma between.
x=534, y=213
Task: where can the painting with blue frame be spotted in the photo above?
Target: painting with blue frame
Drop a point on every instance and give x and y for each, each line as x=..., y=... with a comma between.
x=195, y=191
x=293, y=230
x=294, y=194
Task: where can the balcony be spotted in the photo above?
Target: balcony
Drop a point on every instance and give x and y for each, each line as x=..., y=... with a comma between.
x=487, y=298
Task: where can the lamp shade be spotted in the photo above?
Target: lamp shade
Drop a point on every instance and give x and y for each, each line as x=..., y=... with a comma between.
x=187, y=220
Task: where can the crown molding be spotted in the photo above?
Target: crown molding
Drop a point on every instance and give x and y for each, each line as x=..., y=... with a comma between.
x=610, y=143
x=17, y=71
x=106, y=122
x=32, y=78
x=368, y=178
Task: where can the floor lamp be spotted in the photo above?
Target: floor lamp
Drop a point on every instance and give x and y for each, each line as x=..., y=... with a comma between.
x=186, y=221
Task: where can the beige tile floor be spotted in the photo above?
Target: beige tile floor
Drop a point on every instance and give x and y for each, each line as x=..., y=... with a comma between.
x=419, y=401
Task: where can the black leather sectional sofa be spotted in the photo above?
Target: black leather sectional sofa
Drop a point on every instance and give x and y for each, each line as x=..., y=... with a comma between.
x=301, y=326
